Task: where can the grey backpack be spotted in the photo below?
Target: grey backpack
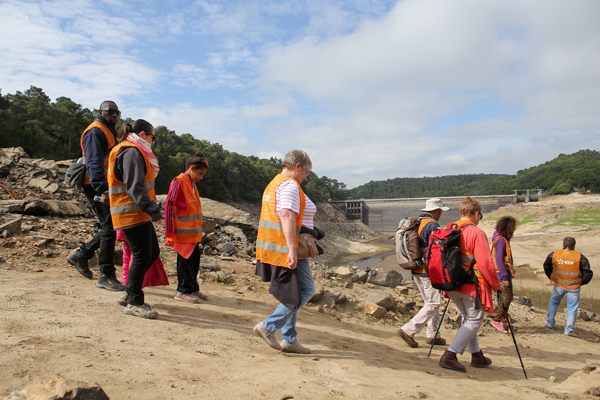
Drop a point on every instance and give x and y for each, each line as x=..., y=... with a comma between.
x=75, y=173
x=408, y=246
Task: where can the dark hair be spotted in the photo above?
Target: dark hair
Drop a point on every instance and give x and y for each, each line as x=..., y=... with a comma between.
x=506, y=226
x=197, y=160
x=569, y=242
x=137, y=127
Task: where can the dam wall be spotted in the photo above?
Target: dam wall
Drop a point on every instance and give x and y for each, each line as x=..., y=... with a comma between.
x=383, y=215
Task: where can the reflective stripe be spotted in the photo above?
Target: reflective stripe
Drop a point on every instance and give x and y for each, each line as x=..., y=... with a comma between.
x=464, y=258
x=509, y=260
x=273, y=225
x=189, y=230
x=567, y=273
x=122, y=189
x=124, y=209
x=188, y=218
x=567, y=282
x=272, y=246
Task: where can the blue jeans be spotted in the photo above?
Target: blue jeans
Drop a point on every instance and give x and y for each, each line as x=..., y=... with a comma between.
x=572, y=304
x=283, y=318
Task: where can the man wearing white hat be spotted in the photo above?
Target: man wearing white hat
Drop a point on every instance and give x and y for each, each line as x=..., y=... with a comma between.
x=432, y=298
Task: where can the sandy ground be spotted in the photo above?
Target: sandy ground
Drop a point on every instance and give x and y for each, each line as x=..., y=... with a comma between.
x=55, y=321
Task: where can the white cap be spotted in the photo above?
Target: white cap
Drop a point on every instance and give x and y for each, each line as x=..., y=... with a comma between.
x=434, y=204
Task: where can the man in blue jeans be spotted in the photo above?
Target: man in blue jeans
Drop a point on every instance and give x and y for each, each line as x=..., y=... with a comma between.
x=567, y=270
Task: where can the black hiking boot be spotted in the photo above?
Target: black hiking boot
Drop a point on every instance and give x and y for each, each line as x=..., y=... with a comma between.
x=109, y=283
x=79, y=261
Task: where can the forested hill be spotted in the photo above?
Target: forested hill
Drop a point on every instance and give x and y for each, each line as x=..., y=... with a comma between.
x=558, y=176
x=52, y=130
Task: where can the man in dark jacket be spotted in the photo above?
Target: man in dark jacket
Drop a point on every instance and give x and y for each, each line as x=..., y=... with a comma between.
x=96, y=142
x=567, y=270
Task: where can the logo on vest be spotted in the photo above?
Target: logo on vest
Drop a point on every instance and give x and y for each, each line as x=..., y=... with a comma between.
x=266, y=198
x=560, y=261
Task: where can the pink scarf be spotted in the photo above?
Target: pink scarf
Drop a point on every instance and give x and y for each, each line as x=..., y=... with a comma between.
x=146, y=148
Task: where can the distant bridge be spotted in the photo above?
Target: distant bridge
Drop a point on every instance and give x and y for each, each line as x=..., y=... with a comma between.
x=383, y=215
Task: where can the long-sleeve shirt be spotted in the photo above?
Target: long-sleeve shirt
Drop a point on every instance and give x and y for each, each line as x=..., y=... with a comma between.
x=500, y=247
x=130, y=168
x=175, y=198
x=95, y=146
x=475, y=241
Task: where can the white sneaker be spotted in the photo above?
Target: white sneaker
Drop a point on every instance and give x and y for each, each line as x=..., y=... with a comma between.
x=294, y=347
x=548, y=325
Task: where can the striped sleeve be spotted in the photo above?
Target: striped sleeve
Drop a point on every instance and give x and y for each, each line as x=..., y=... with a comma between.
x=288, y=196
x=169, y=203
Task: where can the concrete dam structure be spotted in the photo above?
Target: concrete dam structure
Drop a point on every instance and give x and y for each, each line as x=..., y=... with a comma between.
x=383, y=215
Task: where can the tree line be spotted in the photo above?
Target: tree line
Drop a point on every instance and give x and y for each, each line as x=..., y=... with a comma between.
x=52, y=130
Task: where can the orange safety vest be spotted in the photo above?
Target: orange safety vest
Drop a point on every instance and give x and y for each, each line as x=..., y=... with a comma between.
x=566, y=272
x=123, y=210
x=271, y=246
x=422, y=225
x=111, y=144
x=508, y=261
x=467, y=258
x=188, y=223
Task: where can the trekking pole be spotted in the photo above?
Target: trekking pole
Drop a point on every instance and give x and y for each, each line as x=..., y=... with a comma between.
x=501, y=304
x=438, y=329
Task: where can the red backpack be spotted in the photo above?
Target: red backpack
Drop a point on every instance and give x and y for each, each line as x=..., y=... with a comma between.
x=443, y=260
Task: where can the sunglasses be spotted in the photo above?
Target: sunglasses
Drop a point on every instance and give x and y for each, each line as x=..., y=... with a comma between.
x=481, y=214
x=113, y=112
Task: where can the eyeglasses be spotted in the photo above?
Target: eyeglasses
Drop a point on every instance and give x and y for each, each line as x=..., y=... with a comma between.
x=306, y=171
x=113, y=112
x=481, y=214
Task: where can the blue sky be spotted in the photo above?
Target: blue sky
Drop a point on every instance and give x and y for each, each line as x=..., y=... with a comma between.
x=371, y=89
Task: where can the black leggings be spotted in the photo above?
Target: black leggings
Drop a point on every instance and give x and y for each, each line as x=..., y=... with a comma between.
x=144, y=251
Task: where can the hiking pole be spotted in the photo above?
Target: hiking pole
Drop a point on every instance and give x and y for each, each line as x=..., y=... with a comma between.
x=501, y=304
x=438, y=329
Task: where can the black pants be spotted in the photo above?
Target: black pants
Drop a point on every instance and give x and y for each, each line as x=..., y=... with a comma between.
x=187, y=271
x=105, y=239
x=144, y=251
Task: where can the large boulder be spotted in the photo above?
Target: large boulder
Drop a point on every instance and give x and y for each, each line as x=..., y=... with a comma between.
x=382, y=299
x=385, y=277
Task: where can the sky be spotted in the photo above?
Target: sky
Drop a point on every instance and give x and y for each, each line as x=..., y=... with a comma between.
x=370, y=89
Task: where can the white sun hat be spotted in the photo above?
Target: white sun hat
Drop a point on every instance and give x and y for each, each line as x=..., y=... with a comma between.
x=434, y=204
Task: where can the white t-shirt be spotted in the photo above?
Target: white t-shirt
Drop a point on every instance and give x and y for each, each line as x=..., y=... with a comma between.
x=288, y=196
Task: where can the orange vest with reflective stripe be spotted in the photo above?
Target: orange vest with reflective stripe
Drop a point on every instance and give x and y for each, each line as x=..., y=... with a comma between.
x=123, y=210
x=565, y=269
x=422, y=225
x=188, y=223
x=111, y=143
x=508, y=261
x=271, y=246
x=467, y=257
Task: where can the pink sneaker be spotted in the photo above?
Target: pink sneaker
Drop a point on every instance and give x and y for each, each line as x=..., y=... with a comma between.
x=499, y=326
x=190, y=298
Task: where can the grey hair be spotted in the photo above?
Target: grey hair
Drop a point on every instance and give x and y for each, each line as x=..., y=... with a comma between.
x=294, y=157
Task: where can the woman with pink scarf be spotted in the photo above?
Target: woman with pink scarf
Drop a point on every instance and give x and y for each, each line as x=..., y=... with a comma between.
x=133, y=208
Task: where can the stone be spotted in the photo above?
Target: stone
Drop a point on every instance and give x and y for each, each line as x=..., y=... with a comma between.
x=382, y=299
x=588, y=368
x=402, y=290
x=361, y=275
x=410, y=305
x=38, y=183
x=345, y=273
x=594, y=391
x=319, y=293
x=57, y=387
x=209, y=265
x=43, y=242
x=385, y=277
x=227, y=248
x=12, y=227
x=585, y=315
x=374, y=310
x=597, y=318
x=208, y=226
x=72, y=244
x=522, y=300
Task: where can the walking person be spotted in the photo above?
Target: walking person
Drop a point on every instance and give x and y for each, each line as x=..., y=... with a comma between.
x=183, y=227
x=429, y=314
x=504, y=264
x=133, y=167
x=474, y=251
x=285, y=209
x=567, y=270
x=98, y=139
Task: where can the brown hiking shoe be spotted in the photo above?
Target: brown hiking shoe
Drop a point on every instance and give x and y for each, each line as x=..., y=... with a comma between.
x=409, y=341
x=450, y=361
x=478, y=360
x=437, y=342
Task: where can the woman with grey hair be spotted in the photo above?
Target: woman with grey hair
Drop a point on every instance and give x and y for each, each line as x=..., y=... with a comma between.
x=285, y=211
